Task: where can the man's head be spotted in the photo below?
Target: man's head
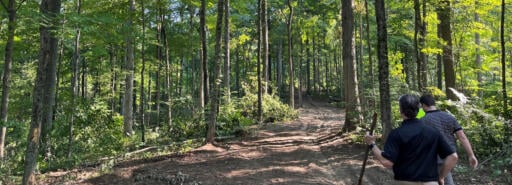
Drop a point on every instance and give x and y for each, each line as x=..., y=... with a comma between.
x=409, y=105
x=427, y=100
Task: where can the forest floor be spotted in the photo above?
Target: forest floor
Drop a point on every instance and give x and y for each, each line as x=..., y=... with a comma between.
x=304, y=151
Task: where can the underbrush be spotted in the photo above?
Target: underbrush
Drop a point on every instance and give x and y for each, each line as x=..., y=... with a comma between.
x=488, y=134
x=98, y=140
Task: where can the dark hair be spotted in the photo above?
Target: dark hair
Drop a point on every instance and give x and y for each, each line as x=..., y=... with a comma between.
x=409, y=105
x=427, y=100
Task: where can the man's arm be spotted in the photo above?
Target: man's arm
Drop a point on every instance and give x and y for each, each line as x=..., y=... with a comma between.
x=473, y=162
x=448, y=165
x=370, y=140
x=378, y=153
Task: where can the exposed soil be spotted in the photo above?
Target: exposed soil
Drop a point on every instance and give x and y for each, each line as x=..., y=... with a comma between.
x=308, y=150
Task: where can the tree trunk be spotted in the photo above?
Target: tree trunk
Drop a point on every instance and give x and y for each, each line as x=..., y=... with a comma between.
x=300, y=74
x=352, y=108
x=129, y=71
x=280, y=66
x=419, y=41
x=506, y=114
x=74, y=86
x=444, y=16
x=439, y=59
x=382, y=55
x=315, y=65
x=326, y=66
x=237, y=72
x=369, y=43
x=290, y=56
x=179, y=74
x=44, y=88
x=478, y=57
x=168, y=72
x=148, y=120
x=216, y=73
x=227, y=62
x=193, y=66
x=260, y=37
x=84, y=79
x=203, y=85
x=6, y=78
x=308, y=67
x=113, y=80
x=160, y=59
x=142, y=72
x=422, y=43
x=359, y=62
x=265, y=45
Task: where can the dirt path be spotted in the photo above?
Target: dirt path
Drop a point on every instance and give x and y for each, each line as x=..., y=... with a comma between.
x=304, y=151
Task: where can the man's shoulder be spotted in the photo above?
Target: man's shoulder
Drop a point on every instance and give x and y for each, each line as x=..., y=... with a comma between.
x=439, y=114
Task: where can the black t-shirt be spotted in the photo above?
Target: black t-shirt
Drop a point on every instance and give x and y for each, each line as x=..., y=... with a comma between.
x=445, y=123
x=413, y=148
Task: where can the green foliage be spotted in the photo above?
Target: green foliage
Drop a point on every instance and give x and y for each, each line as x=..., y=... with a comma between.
x=486, y=132
x=96, y=134
x=243, y=112
x=14, y=151
x=188, y=122
x=436, y=92
x=231, y=118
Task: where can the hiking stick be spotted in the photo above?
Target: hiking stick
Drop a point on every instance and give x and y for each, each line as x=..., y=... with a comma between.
x=372, y=127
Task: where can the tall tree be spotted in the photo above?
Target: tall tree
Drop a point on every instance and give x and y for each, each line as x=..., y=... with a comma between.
x=129, y=71
x=503, y=61
x=353, y=115
x=369, y=44
x=44, y=88
x=266, y=66
x=478, y=56
x=290, y=55
x=168, y=71
x=382, y=55
x=258, y=68
x=214, y=100
x=84, y=78
x=160, y=58
x=113, y=79
x=279, y=72
x=6, y=78
x=439, y=64
x=419, y=42
x=300, y=75
x=74, y=79
x=203, y=70
x=227, y=62
x=444, y=16
x=142, y=72
x=308, y=67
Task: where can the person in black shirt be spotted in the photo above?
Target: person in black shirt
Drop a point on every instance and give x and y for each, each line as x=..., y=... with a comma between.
x=412, y=149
